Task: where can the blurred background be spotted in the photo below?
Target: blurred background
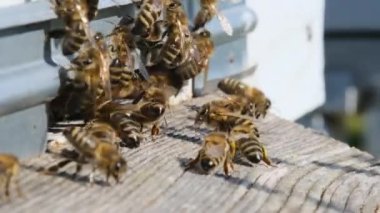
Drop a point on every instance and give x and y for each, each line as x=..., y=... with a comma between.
x=351, y=111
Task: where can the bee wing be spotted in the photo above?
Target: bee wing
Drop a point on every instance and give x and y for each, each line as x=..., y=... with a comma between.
x=224, y=22
x=105, y=75
x=215, y=150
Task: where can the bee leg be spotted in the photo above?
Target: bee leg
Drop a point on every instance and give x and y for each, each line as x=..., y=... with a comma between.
x=265, y=156
x=227, y=167
x=232, y=144
x=54, y=169
x=155, y=130
x=92, y=176
x=18, y=188
x=256, y=132
x=191, y=163
x=7, y=186
x=116, y=177
x=108, y=173
x=78, y=169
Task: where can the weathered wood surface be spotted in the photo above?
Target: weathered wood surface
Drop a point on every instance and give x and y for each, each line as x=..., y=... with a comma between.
x=314, y=173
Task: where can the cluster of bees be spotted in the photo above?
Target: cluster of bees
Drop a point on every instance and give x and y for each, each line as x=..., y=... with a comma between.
x=120, y=83
x=235, y=132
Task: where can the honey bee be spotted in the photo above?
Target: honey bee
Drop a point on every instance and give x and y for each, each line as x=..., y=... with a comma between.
x=224, y=121
x=232, y=104
x=253, y=150
x=154, y=94
x=74, y=38
x=161, y=78
x=208, y=11
x=123, y=60
x=175, y=13
x=103, y=156
x=84, y=78
x=74, y=14
x=128, y=130
x=103, y=131
x=144, y=113
x=172, y=47
x=205, y=46
x=217, y=149
x=9, y=172
x=65, y=8
x=149, y=13
x=148, y=113
x=254, y=95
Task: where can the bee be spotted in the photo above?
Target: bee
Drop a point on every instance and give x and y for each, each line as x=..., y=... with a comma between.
x=173, y=46
x=74, y=38
x=196, y=56
x=208, y=11
x=65, y=8
x=103, y=156
x=9, y=172
x=143, y=113
x=83, y=76
x=217, y=149
x=190, y=68
x=103, y=131
x=253, y=150
x=233, y=104
x=148, y=113
x=123, y=60
x=150, y=46
x=254, y=95
x=128, y=129
x=149, y=13
x=154, y=94
x=74, y=14
x=224, y=121
x=205, y=46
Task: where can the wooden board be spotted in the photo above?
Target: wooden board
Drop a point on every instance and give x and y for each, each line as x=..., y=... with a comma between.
x=314, y=173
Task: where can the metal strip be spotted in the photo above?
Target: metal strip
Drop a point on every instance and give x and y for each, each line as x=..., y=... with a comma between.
x=39, y=11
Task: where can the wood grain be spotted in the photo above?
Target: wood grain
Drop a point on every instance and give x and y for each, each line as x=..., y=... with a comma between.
x=314, y=173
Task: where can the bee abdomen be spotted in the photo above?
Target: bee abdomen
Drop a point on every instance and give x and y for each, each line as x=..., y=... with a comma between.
x=188, y=70
x=145, y=20
x=231, y=86
x=126, y=79
x=119, y=72
x=170, y=53
x=73, y=40
x=128, y=130
x=252, y=150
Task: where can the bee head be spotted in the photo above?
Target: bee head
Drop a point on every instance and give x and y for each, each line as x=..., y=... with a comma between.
x=153, y=109
x=201, y=114
x=115, y=62
x=205, y=33
x=207, y=165
x=98, y=36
